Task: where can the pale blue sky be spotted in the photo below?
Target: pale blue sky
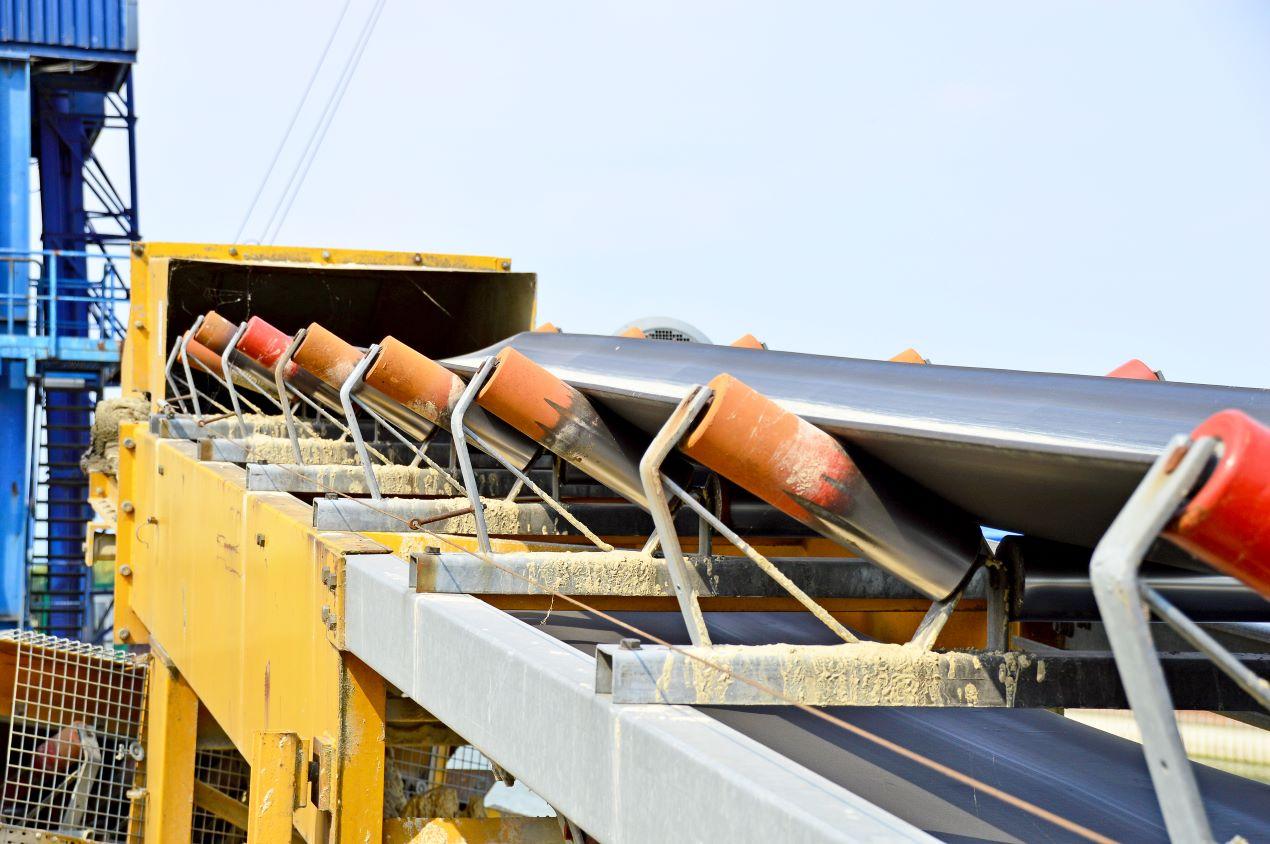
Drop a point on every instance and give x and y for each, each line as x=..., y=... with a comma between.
x=997, y=184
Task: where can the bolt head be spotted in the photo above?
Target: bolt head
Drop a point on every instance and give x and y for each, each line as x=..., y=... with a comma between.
x=326, y=254
x=126, y=506
x=233, y=251
x=507, y=265
x=260, y=540
x=138, y=249
x=125, y=635
x=129, y=442
x=125, y=570
x=139, y=325
x=417, y=258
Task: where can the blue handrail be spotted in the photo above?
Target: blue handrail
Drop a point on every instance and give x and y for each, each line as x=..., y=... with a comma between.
x=35, y=284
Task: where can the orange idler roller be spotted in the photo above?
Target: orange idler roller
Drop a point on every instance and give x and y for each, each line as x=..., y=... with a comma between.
x=198, y=352
x=416, y=381
x=215, y=332
x=327, y=356
x=748, y=341
x=551, y=412
x=1227, y=522
x=428, y=389
x=1135, y=370
x=799, y=469
x=265, y=344
x=909, y=355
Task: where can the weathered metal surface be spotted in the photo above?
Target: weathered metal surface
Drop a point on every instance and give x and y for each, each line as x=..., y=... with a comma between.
x=601, y=764
x=1054, y=586
x=1048, y=454
x=395, y=514
x=873, y=674
x=99, y=25
x=632, y=574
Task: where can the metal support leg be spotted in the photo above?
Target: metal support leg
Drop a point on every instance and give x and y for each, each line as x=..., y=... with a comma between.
x=229, y=378
x=683, y=578
x=351, y=383
x=932, y=624
x=185, y=362
x=465, y=458
x=171, y=382
x=1114, y=575
x=276, y=779
x=279, y=381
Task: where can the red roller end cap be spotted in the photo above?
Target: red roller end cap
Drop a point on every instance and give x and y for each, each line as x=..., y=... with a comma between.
x=1135, y=370
x=1227, y=523
x=265, y=344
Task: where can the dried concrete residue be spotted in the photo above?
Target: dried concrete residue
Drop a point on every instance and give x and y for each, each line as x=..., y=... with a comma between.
x=627, y=573
x=393, y=479
x=867, y=673
x=501, y=517
x=264, y=449
x=103, y=449
x=268, y=426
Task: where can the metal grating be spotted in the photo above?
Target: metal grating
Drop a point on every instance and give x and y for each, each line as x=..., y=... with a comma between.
x=228, y=772
x=74, y=752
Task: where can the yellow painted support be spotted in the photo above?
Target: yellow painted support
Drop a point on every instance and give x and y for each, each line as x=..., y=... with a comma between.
x=171, y=733
x=275, y=782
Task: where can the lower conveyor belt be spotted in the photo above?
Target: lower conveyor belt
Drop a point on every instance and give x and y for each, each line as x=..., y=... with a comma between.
x=1080, y=773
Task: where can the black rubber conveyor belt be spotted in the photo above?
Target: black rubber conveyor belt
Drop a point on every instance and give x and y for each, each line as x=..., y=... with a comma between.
x=1046, y=454
x=1075, y=771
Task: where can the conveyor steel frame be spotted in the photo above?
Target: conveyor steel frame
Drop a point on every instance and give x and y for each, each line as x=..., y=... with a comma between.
x=623, y=773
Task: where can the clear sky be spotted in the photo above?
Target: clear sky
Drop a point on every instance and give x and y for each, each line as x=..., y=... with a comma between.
x=997, y=184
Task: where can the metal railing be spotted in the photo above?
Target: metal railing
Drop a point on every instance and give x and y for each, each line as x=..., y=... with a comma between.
x=51, y=293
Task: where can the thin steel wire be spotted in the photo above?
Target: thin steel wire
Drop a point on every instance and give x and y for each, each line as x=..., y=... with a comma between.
x=816, y=712
x=75, y=749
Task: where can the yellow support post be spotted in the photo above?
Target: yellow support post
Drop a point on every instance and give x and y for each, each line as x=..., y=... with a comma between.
x=275, y=782
x=170, y=743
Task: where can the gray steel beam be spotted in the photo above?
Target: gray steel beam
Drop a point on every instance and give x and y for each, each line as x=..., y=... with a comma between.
x=623, y=773
x=633, y=574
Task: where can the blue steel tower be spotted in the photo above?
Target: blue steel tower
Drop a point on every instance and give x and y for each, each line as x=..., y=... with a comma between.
x=65, y=93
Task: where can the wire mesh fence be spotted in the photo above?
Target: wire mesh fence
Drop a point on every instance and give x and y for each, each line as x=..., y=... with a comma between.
x=227, y=772
x=74, y=760
x=436, y=781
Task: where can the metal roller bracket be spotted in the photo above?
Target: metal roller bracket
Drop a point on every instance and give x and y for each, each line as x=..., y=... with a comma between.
x=351, y=383
x=229, y=377
x=185, y=363
x=659, y=507
x=1114, y=575
x=280, y=382
x=459, y=436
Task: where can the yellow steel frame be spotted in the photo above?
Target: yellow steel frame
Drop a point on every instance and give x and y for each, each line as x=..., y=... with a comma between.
x=144, y=354
x=228, y=588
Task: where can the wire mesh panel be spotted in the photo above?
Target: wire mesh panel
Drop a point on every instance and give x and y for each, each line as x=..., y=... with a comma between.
x=74, y=756
x=437, y=781
x=227, y=772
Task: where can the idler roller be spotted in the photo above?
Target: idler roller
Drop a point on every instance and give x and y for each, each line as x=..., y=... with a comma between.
x=551, y=412
x=429, y=390
x=215, y=332
x=1227, y=521
x=265, y=344
x=802, y=471
x=1135, y=370
x=327, y=355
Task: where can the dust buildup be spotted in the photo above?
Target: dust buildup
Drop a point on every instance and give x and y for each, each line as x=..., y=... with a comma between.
x=627, y=573
x=103, y=449
x=264, y=449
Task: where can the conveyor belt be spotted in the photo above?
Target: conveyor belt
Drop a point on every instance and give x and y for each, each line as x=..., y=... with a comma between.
x=1073, y=770
x=1039, y=453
